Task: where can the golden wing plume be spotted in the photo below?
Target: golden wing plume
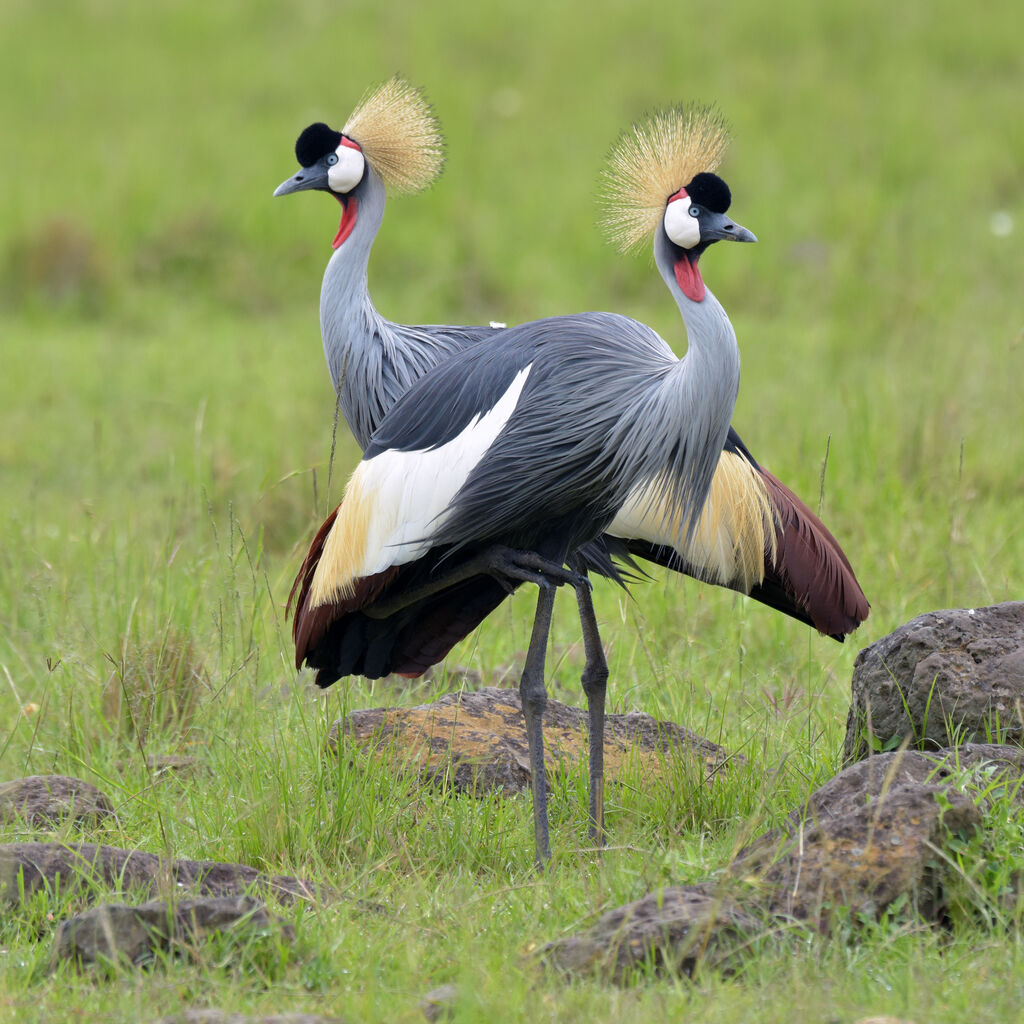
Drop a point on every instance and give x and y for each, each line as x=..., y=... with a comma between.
x=399, y=134
x=651, y=161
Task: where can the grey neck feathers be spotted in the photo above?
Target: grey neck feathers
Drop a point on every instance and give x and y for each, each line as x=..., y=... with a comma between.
x=373, y=361
x=349, y=323
x=700, y=395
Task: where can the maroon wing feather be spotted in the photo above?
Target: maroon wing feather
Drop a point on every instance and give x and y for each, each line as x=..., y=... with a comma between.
x=811, y=567
x=311, y=624
x=338, y=638
x=810, y=579
x=442, y=621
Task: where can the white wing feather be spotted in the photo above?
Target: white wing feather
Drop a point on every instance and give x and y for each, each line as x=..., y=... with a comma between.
x=413, y=491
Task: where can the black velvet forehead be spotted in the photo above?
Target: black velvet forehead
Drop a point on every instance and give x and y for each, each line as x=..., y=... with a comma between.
x=315, y=142
x=709, y=191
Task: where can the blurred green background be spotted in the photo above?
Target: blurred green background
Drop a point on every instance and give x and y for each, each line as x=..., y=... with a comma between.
x=161, y=364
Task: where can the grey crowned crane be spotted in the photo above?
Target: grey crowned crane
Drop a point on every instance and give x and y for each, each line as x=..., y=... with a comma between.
x=755, y=535
x=393, y=140
x=496, y=466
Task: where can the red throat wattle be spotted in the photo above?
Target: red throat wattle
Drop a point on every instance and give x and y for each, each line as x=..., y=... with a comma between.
x=348, y=220
x=689, y=279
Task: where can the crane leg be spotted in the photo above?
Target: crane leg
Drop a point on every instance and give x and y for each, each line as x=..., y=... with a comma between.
x=510, y=568
x=595, y=685
x=534, y=697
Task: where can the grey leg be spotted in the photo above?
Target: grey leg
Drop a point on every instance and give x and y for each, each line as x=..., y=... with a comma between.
x=535, y=698
x=595, y=685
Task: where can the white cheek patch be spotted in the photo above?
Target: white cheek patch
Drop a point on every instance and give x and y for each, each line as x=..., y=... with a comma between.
x=683, y=229
x=348, y=171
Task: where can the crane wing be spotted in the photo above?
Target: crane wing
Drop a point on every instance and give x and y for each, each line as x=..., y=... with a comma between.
x=757, y=537
x=734, y=537
x=396, y=499
x=373, y=379
x=446, y=400
x=811, y=571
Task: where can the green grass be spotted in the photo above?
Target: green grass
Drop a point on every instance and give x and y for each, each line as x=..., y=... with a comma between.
x=165, y=430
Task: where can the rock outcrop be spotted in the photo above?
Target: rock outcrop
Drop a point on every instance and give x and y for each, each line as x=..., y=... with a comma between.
x=475, y=741
x=944, y=678
x=866, y=840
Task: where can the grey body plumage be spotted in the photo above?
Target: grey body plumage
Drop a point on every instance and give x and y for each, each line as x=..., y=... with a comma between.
x=606, y=404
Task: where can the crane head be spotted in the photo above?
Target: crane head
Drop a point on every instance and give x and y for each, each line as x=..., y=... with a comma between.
x=393, y=130
x=695, y=217
x=331, y=162
x=393, y=133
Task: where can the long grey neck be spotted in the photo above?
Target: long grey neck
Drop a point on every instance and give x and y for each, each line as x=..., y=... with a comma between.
x=704, y=383
x=347, y=316
x=357, y=339
x=372, y=361
x=713, y=354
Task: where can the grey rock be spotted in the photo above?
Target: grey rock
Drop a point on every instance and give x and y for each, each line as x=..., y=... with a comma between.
x=44, y=800
x=676, y=928
x=475, y=740
x=859, y=843
x=117, y=932
x=944, y=678
x=439, y=1003
x=991, y=766
x=865, y=838
x=46, y=865
x=867, y=780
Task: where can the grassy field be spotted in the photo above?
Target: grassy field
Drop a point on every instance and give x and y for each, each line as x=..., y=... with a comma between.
x=165, y=438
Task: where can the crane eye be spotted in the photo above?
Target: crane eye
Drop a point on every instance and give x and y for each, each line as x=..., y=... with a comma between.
x=694, y=211
x=332, y=159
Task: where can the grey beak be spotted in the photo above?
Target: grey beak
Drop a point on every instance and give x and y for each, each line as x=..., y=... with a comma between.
x=307, y=178
x=720, y=228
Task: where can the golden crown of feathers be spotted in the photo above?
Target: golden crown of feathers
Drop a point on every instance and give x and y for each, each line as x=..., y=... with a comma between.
x=651, y=161
x=399, y=134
